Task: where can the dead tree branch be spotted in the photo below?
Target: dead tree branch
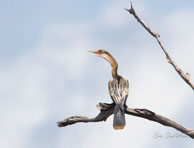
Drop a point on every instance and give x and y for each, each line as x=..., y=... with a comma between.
x=108, y=109
x=184, y=76
x=147, y=114
x=105, y=111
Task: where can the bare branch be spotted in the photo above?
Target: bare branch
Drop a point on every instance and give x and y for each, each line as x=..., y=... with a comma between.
x=147, y=114
x=107, y=109
x=184, y=76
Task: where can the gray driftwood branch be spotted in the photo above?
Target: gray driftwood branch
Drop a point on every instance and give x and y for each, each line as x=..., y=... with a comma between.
x=105, y=111
x=108, y=109
x=184, y=76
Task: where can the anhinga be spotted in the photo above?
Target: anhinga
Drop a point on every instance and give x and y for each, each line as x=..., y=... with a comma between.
x=118, y=89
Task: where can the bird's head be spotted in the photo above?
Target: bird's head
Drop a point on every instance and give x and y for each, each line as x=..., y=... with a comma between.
x=107, y=56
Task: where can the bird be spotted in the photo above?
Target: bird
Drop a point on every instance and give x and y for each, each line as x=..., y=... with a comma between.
x=118, y=90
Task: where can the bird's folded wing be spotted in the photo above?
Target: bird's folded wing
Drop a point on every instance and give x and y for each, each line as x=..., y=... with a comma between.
x=119, y=90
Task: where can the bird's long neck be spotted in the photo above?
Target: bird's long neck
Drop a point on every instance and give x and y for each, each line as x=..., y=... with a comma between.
x=113, y=63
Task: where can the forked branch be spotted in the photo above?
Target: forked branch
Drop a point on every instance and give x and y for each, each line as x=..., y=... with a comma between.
x=184, y=76
x=108, y=109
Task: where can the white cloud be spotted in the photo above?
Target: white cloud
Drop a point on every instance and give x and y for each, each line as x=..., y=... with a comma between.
x=180, y=35
x=26, y=84
x=23, y=100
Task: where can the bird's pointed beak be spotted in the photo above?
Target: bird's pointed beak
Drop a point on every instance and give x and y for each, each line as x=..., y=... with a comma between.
x=95, y=51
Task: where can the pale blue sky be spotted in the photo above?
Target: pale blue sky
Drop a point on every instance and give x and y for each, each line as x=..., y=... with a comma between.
x=46, y=73
x=22, y=22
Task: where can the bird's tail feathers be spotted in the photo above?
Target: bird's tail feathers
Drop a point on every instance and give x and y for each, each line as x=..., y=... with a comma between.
x=119, y=117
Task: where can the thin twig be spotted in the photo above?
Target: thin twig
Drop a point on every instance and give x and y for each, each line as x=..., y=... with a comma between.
x=108, y=109
x=184, y=76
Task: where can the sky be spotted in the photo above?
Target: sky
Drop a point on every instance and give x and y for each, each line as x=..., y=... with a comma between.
x=47, y=73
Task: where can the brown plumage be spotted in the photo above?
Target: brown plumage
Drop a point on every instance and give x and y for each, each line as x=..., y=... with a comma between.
x=118, y=89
